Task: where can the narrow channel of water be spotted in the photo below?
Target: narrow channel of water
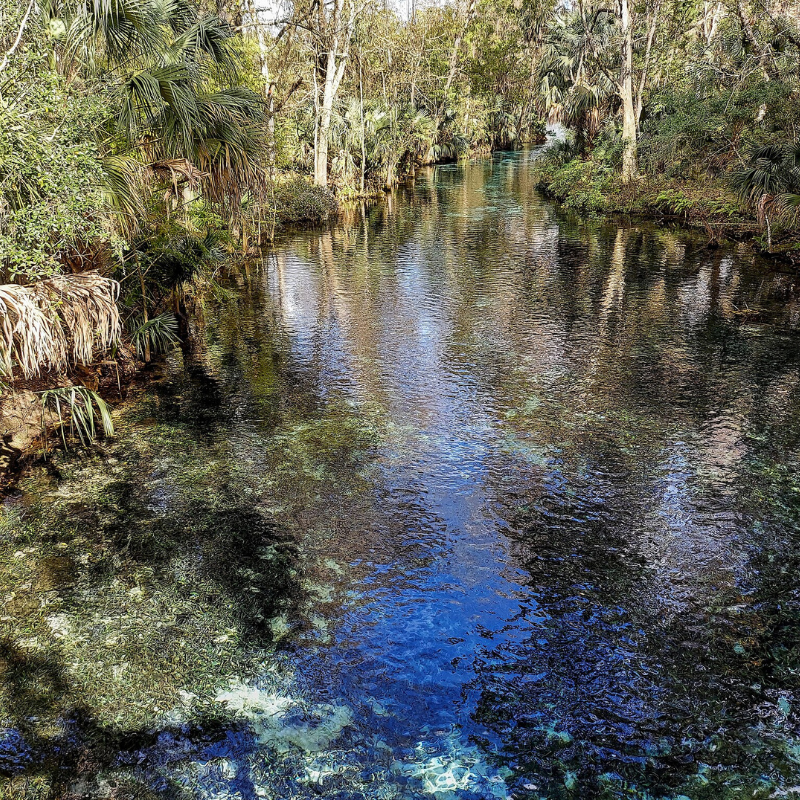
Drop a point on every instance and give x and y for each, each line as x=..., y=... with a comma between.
x=463, y=498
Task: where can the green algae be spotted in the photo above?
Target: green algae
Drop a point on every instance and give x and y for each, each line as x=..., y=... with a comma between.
x=132, y=606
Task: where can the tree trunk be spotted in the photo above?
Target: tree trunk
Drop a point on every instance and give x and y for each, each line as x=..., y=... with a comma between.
x=337, y=45
x=271, y=130
x=363, y=131
x=145, y=318
x=326, y=111
x=629, y=155
x=453, y=65
x=651, y=32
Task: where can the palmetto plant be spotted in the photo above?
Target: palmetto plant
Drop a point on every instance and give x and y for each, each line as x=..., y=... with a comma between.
x=575, y=82
x=394, y=135
x=177, y=116
x=771, y=182
x=80, y=409
x=157, y=335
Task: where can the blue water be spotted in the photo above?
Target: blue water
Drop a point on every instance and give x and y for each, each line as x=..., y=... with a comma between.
x=461, y=498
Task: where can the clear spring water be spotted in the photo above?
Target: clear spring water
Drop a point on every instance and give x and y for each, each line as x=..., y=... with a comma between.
x=461, y=498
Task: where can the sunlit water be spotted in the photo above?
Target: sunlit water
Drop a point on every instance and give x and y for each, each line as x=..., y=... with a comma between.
x=462, y=498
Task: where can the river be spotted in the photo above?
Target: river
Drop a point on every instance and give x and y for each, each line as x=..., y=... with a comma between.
x=463, y=497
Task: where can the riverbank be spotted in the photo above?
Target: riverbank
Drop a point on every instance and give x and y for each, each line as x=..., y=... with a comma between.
x=708, y=204
x=30, y=426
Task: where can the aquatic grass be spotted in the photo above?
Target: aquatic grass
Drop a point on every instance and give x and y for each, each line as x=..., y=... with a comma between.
x=135, y=643
x=171, y=584
x=175, y=586
x=77, y=404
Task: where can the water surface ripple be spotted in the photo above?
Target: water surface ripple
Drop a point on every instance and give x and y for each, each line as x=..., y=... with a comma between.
x=462, y=498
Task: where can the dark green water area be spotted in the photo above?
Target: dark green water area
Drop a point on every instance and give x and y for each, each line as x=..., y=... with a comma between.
x=461, y=498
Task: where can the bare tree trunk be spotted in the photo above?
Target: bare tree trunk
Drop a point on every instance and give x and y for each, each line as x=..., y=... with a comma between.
x=712, y=13
x=260, y=24
x=271, y=130
x=363, y=132
x=338, y=45
x=651, y=32
x=145, y=318
x=453, y=66
x=629, y=154
x=18, y=38
x=325, y=113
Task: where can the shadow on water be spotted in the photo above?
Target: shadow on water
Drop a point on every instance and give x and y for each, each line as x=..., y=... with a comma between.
x=463, y=498
x=148, y=572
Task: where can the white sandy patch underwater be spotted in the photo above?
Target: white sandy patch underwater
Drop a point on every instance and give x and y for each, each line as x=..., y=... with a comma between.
x=288, y=747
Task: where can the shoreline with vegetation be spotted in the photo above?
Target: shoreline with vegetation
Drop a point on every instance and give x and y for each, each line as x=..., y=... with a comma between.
x=148, y=146
x=710, y=207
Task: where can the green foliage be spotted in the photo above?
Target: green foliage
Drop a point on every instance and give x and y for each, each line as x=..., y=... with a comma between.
x=724, y=208
x=673, y=201
x=109, y=111
x=173, y=257
x=157, y=335
x=772, y=170
x=687, y=133
x=77, y=404
x=297, y=200
x=581, y=185
x=51, y=200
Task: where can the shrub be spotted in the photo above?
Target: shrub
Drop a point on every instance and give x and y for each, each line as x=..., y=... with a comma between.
x=51, y=199
x=298, y=200
x=582, y=185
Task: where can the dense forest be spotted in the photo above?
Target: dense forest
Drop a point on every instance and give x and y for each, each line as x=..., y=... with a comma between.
x=143, y=143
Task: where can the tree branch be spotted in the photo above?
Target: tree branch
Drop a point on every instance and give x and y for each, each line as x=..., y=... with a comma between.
x=19, y=37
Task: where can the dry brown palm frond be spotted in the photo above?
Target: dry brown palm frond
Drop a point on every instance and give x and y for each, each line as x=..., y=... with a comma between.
x=41, y=323
x=177, y=171
x=28, y=334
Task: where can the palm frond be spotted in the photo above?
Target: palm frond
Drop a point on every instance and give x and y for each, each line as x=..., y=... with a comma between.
x=124, y=183
x=159, y=333
x=120, y=27
x=51, y=322
x=77, y=404
x=207, y=37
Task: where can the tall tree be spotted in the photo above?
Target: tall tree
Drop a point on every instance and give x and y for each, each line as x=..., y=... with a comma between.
x=629, y=122
x=330, y=24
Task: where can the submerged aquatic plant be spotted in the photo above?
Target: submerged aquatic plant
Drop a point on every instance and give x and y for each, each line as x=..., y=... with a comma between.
x=78, y=404
x=156, y=335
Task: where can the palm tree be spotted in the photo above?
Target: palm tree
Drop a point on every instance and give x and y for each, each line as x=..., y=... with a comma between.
x=575, y=79
x=170, y=121
x=771, y=182
x=177, y=125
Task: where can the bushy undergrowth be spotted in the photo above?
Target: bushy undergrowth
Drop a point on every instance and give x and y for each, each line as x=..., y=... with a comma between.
x=591, y=184
x=580, y=185
x=51, y=199
x=690, y=135
x=297, y=200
